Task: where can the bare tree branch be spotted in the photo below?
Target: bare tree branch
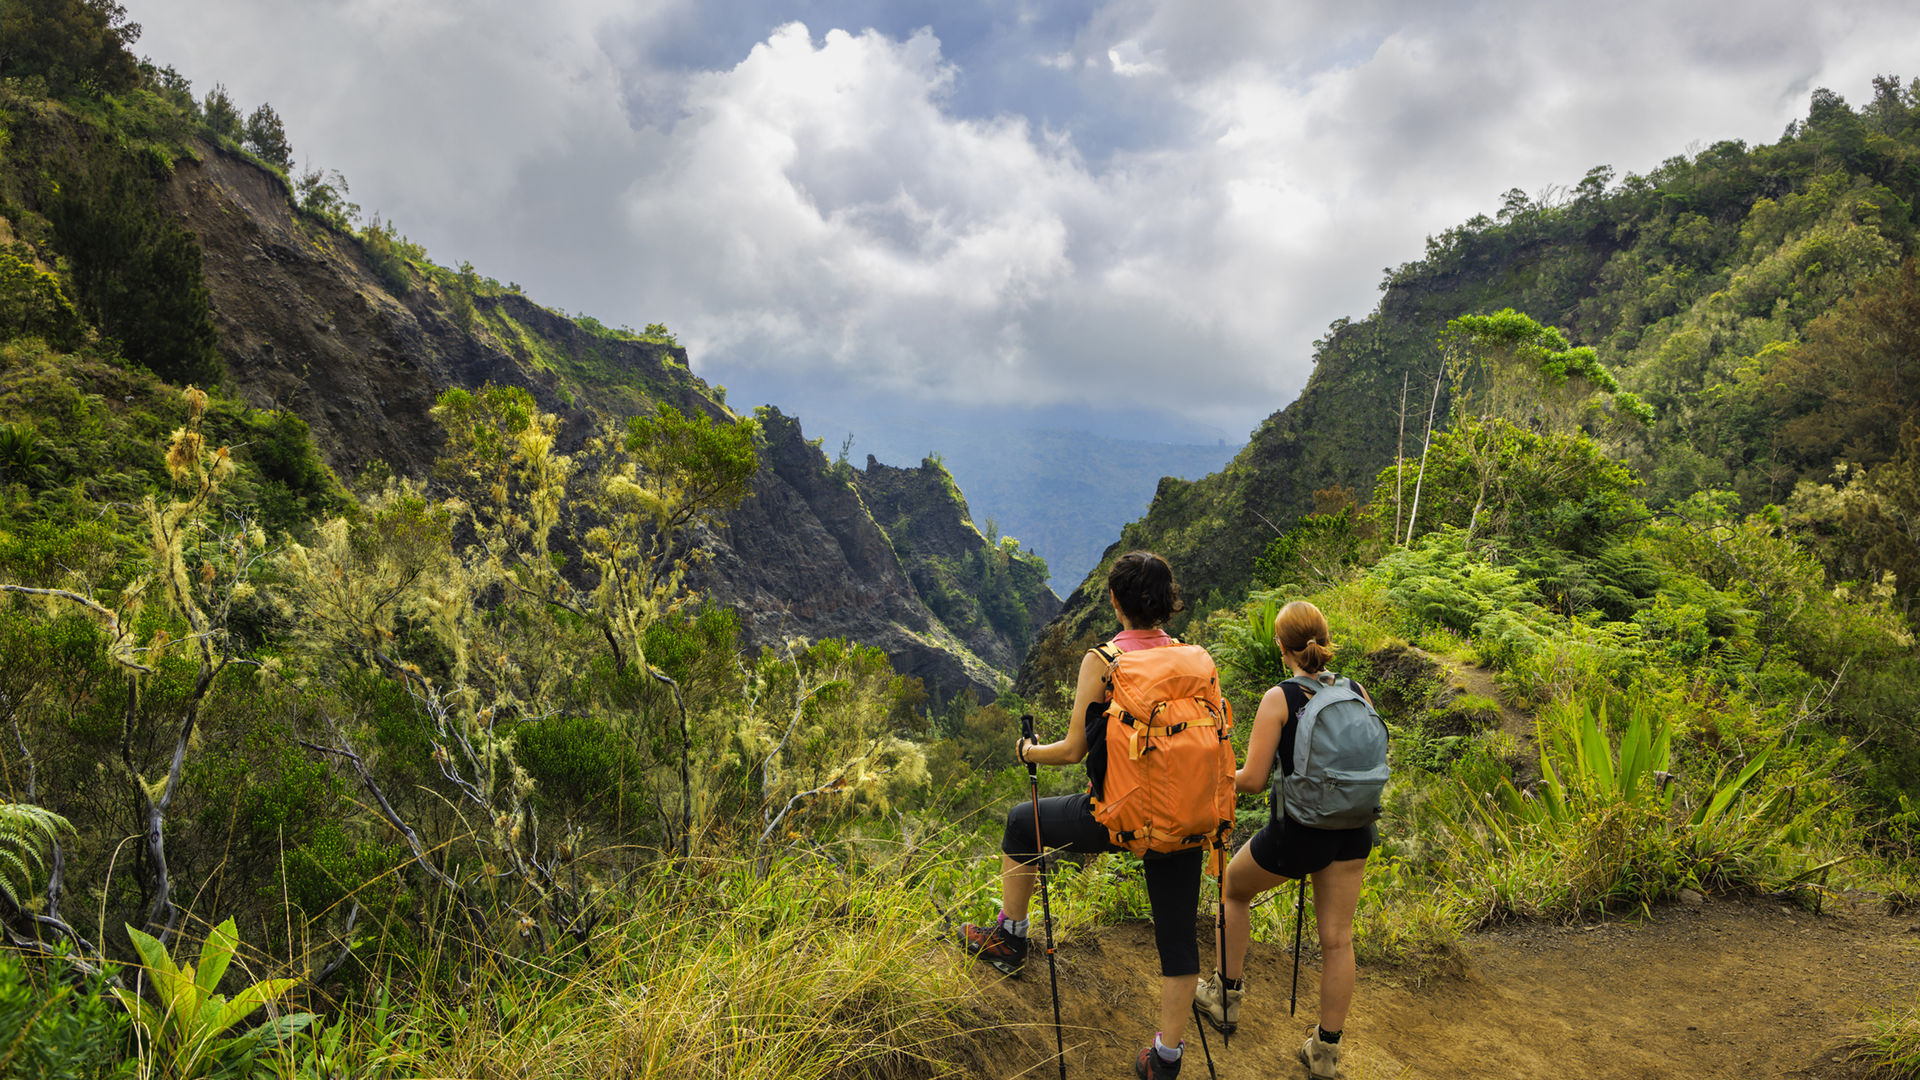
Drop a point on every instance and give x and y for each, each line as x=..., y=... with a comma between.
x=112, y=618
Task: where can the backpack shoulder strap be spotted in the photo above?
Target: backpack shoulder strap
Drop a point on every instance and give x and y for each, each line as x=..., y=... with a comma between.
x=1107, y=651
x=1306, y=682
x=1310, y=713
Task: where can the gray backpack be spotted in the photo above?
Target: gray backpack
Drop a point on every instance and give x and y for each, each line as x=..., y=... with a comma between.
x=1339, y=759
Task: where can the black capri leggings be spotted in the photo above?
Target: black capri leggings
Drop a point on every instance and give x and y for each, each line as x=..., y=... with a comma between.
x=1173, y=881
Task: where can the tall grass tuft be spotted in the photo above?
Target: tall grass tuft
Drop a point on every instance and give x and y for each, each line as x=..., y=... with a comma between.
x=709, y=971
x=1891, y=1047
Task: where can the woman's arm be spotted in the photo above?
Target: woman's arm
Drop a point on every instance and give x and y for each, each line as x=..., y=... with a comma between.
x=1264, y=743
x=1073, y=748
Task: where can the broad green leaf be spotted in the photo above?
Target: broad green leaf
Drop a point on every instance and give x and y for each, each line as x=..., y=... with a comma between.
x=1636, y=752
x=153, y=955
x=1549, y=791
x=1725, y=795
x=215, y=955
x=1599, y=758
x=274, y=1032
x=253, y=997
x=179, y=997
x=142, y=1012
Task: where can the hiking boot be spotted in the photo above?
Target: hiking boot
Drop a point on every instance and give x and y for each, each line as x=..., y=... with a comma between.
x=993, y=944
x=1149, y=1066
x=1321, y=1059
x=1218, y=1004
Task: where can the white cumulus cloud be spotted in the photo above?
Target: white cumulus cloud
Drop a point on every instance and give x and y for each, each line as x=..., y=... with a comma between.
x=1191, y=193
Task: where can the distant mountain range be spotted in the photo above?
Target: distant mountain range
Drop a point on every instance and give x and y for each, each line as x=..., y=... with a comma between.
x=1063, y=494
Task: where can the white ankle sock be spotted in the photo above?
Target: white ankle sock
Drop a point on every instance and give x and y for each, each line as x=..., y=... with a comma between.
x=1168, y=1053
x=1016, y=927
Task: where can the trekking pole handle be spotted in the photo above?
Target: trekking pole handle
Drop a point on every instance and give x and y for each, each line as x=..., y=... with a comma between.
x=1026, y=727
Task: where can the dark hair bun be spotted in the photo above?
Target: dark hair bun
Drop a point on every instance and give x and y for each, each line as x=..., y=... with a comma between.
x=1143, y=584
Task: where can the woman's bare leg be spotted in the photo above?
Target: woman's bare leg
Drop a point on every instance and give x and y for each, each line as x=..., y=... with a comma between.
x=1336, y=895
x=1245, y=880
x=1176, y=1005
x=1017, y=882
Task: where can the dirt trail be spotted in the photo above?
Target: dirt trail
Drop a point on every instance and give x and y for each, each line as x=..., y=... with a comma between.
x=1479, y=680
x=1722, y=988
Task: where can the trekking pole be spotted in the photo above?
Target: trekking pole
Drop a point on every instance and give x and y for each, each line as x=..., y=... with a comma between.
x=1299, y=916
x=1201, y=1027
x=1198, y=1023
x=1220, y=923
x=1046, y=904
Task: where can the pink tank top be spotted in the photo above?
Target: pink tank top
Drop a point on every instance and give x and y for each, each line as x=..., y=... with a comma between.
x=1131, y=640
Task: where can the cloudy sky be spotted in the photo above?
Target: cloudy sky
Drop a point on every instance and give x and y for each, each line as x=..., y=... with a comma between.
x=1110, y=213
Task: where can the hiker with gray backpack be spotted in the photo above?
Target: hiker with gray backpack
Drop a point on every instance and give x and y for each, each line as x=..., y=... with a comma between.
x=1321, y=734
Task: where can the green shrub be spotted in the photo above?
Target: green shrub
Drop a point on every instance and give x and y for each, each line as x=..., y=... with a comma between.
x=1318, y=551
x=1557, y=490
x=1440, y=580
x=1245, y=647
x=289, y=483
x=32, y=303
x=330, y=867
x=391, y=255
x=51, y=1030
x=578, y=763
x=187, y=1032
x=1610, y=824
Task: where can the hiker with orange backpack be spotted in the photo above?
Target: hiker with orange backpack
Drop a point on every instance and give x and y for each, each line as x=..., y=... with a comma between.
x=1330, y=748
x=1149, y=720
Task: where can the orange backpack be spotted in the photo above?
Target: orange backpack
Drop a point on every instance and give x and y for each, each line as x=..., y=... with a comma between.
x=1169, y=764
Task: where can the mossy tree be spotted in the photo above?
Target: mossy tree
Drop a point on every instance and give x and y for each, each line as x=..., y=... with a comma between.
x=467, y=603
x=200, y=564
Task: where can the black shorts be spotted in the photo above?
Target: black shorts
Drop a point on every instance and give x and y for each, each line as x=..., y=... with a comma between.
x=1293, y=850
x=1173, y=881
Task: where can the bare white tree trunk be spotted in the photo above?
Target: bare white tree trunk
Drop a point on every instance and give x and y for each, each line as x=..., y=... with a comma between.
x=1400, y=455
x=1413, y=514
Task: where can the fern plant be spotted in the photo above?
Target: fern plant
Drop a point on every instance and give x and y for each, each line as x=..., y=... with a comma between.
x=25, y=832
x=186, y=1032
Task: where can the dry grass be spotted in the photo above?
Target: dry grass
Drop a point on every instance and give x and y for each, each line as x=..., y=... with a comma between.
x=811, y=972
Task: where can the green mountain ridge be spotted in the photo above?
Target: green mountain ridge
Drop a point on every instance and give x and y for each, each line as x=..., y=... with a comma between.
x=1697, y=283
x=300, y=317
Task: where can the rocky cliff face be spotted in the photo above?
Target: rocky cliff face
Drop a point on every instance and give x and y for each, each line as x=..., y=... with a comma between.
x=803, y=556
x=306, y=324
x=984, y=589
